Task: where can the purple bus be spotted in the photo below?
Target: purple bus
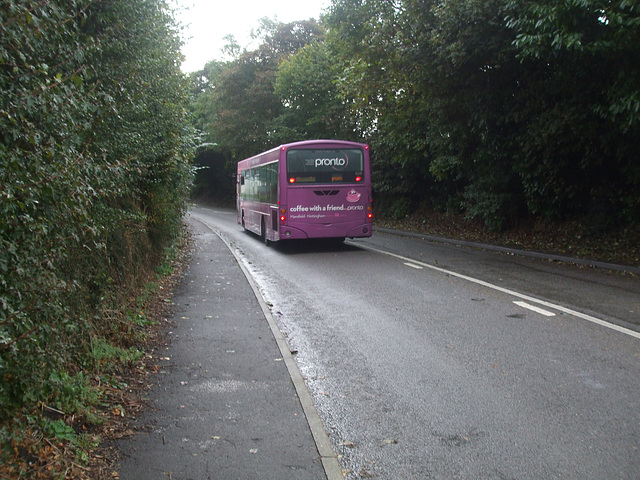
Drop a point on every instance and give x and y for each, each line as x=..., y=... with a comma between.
x=310, y=189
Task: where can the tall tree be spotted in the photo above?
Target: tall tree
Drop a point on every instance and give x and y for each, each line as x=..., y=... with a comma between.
x=243, y=103
x=372, y=43
x=580, y=146
x=472, y=80
x=307, y=86
x=499, y=109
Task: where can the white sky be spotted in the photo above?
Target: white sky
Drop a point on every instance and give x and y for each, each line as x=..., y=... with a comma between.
x=208, y=21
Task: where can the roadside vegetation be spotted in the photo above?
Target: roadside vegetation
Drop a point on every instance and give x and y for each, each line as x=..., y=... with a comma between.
x=95, y=151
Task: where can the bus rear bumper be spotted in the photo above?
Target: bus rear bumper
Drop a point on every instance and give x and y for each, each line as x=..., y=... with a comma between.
x=363, y=230
x=290, y=233
x=324, y=231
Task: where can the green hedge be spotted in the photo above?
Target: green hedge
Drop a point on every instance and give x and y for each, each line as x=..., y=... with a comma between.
x=95, y=148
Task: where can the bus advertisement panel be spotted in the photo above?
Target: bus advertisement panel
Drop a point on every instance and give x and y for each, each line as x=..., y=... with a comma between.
x=310, y=189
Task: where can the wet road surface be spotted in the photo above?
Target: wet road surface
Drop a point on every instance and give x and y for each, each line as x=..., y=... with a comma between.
x=422, y=373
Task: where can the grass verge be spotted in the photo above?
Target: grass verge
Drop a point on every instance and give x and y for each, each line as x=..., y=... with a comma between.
x=571, y=239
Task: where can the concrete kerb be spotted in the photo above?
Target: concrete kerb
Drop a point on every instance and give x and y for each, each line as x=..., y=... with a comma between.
x=327, y=454
x=513, y=251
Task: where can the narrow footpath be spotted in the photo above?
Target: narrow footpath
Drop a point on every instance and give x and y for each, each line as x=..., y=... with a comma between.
x=225, y=404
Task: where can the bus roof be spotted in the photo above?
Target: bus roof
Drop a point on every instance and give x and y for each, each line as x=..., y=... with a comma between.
x=309, y=143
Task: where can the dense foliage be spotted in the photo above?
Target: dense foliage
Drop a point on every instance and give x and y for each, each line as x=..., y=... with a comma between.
x=94, y=169
x=498, y=109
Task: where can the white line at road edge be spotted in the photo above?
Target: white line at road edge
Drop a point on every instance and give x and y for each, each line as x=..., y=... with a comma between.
x=560, y=308
x=535, y=309
x=413, y=265
x=332, y=468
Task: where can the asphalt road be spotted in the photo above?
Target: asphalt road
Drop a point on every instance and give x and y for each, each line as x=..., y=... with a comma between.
x=422, y=365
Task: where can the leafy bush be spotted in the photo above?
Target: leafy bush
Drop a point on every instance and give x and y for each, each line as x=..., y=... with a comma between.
x=95, y=149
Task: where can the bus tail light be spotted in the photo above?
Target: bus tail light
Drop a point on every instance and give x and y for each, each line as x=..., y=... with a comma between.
x=358, y=178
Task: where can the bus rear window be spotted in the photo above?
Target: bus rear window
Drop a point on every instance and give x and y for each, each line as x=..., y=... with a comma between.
x=306, y=166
